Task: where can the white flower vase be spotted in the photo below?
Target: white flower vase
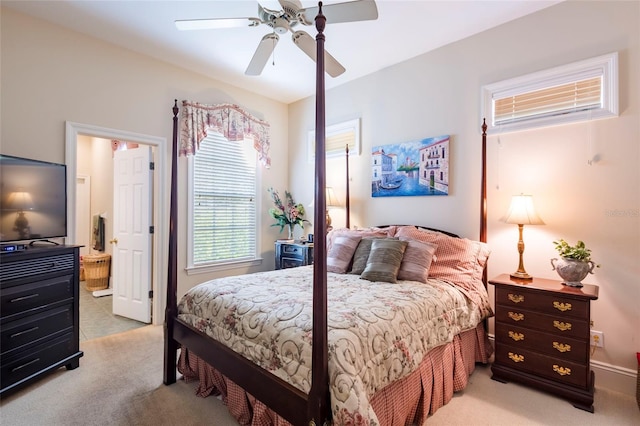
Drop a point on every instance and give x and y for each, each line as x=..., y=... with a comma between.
x=290, y=228
x=572, y=271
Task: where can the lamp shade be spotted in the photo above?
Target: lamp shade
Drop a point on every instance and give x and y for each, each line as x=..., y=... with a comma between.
x=331, y=199
x=522, y=212
x=20, y=200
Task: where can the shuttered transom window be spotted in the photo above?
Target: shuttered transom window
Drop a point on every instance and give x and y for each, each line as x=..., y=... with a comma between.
x=581, y=95
x=224, y=204
x=580, y=91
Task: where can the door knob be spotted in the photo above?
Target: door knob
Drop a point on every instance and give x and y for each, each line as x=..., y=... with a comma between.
x=114, y=241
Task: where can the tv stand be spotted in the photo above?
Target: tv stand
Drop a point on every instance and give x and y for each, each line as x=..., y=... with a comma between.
x=39, y=315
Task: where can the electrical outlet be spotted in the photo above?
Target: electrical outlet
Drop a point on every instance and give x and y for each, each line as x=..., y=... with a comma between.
x=597, y=338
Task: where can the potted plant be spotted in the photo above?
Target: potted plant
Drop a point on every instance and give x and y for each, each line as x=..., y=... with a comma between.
x=574, y=263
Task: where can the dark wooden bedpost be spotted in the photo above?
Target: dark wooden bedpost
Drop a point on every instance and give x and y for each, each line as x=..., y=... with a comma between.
x=318, y=409
x=347, y=206
x=170, y=345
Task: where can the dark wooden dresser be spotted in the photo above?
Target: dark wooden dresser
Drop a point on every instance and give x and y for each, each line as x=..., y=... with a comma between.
x=542, y=337
x=39, y=315
x=293, y=254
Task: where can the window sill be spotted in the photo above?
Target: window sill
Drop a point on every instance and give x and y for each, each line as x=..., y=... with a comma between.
x=204, y=269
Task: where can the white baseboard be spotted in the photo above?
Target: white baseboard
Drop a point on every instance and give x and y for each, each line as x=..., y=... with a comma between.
x=611, y=377
x=615, y=378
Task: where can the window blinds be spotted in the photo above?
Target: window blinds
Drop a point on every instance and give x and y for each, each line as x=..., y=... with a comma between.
x=582, y=95
x=224, y=201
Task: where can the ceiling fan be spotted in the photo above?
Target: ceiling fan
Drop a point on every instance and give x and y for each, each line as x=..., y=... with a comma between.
x=284, y=16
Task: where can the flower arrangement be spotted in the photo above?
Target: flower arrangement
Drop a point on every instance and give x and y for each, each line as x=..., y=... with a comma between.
x=289, y=214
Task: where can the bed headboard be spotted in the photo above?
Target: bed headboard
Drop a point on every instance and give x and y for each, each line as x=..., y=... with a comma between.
x=451, y=234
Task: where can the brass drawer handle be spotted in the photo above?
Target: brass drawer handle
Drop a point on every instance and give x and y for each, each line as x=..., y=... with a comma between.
x=561, y=370
x=561, y=347
x=516, y=316
x=562, y=306
x=562, y=326
x=516, y=298
x=516, y=357
x=516, y=336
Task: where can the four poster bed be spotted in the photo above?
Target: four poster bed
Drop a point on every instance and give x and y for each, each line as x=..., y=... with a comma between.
x=381, y=330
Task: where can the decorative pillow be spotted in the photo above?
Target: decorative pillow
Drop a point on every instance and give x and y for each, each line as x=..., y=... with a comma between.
x=416, y=260
x=460, y=261
x=384, y=260
x=364, y=232
x=341, y=252
x=361, y=255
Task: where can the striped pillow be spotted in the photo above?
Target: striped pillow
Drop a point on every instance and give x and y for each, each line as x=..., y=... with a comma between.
x=384, y=260
x=363, y=232
x=417, y=260
x=341, y=252
x=361, y=255
x=460, y=261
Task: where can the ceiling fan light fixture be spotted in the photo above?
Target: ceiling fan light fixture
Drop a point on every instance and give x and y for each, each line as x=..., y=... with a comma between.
x=280, y=25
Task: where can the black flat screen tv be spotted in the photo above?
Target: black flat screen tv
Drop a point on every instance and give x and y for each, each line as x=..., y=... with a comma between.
x=33, y=197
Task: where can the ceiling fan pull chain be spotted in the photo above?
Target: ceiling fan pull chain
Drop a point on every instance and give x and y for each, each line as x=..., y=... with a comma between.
x=273, y=52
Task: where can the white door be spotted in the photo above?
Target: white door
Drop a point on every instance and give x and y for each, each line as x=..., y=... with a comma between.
x=131, y=276
x=83, y=213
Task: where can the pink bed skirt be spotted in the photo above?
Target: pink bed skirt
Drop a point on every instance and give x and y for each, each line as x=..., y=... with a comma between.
x=444, y=370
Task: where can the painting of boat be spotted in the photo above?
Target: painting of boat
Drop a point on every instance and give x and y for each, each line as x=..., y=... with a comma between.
x=411, y=168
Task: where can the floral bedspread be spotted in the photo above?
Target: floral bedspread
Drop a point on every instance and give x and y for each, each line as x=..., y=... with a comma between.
x=378, y=332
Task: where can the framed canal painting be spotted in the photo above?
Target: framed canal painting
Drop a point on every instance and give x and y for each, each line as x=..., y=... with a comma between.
x=411, y=168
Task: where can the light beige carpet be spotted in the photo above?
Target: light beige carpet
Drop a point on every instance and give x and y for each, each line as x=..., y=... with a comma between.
x=119, y=382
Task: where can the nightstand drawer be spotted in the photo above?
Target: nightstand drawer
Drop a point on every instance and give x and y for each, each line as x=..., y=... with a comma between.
x=565, y=327
x=556, y=369
x=542, y=302
x=291, y=251
x=291, y=255
x=551, y=344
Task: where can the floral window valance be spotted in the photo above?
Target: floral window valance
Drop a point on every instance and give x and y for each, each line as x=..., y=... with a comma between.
x=230, y=120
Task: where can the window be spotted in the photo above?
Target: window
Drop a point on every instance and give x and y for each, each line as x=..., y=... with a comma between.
x=337, y=138
x=576, y=92
x=223, y=204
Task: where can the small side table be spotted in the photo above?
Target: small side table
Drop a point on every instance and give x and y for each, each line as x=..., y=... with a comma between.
x=293, y=254
x=542, y=335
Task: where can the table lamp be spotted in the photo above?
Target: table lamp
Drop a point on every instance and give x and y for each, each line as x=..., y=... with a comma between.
x=522, y=212
x=331, y=201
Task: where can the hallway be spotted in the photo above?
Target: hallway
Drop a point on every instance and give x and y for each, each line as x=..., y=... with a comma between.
x=96, y=319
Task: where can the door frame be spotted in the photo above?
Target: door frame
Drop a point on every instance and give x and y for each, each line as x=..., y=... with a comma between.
x=160, y=201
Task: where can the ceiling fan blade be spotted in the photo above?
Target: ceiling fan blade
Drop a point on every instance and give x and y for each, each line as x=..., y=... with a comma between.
x=271, y=6
x=362, y=10
x=307, y=44
x=216, y=23
x=262, y=53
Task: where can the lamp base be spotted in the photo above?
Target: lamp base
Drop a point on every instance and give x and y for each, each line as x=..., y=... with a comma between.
x=521, y=276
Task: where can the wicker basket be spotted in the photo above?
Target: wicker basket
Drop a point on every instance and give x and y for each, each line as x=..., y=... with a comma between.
x=96, y=271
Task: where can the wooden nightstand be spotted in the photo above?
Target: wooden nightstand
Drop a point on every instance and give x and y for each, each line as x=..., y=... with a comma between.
x=542, y=337
x=290, y=255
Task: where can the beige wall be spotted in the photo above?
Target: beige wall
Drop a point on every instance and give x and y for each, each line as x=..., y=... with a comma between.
x=50, y=75
x=439, y=93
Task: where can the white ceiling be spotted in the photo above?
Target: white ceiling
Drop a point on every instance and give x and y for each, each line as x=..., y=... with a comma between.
x=403, y=30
